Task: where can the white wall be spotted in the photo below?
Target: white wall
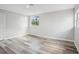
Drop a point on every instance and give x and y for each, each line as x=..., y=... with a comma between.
x=54, y=25
x=15, y=24
x=77, y=26
x=77, y=34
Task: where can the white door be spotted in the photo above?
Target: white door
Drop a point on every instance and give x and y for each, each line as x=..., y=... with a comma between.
x=2, y=26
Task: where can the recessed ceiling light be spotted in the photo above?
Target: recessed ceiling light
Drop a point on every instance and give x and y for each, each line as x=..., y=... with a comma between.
x=29, y=5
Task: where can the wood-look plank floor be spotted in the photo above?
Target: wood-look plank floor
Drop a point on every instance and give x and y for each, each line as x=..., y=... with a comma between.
x=35, y=45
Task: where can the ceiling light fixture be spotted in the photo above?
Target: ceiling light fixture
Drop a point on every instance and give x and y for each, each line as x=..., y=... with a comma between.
x=29, y=5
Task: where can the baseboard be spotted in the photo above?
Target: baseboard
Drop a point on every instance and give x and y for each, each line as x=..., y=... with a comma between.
x=39, y=36
x=15, y=36
x=56, y=38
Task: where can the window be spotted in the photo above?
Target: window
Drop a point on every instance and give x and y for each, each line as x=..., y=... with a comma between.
x=35, y=20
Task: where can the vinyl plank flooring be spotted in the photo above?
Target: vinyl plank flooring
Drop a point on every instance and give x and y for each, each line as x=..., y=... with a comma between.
x=31, y=44
x=2, y=51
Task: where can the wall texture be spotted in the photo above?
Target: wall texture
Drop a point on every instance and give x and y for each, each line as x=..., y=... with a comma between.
x=14, y=24
x=54, y=25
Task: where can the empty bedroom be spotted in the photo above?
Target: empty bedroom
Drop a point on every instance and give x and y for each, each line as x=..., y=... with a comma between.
x=39, y=28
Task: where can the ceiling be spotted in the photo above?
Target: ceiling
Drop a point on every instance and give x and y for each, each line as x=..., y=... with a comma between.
x=36, y=9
